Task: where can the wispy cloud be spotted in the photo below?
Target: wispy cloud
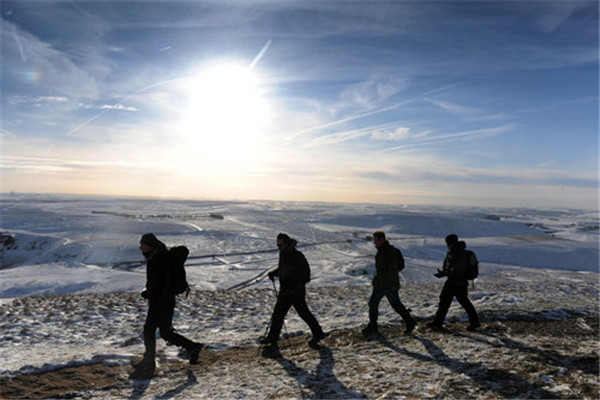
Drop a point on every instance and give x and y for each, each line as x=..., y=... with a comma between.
x=342, y=121
x=19, y=44
x=371, y=93
x=42, y=64
x=433, y=140
x=37, y=100
x=388, y=131
x=452, y=107
x=119, y=107
x=448, y=173
x=466, y=112
x=64, y=164
x=399, y=133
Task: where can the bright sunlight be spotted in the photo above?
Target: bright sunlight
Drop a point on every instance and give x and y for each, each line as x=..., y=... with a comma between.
x=226, y=116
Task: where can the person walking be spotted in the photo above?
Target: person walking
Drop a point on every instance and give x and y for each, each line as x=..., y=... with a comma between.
x=161, y=303
x=455, y=268
x=294, y=273
x=388, y=262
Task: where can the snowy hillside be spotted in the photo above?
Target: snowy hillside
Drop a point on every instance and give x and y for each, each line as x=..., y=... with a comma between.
x=55, y=245
x=71, y=316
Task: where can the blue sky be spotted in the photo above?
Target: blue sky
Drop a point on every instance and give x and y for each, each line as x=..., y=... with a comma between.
x=477, y=103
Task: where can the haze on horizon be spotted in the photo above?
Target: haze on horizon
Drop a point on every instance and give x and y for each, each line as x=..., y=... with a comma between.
x=487, y=103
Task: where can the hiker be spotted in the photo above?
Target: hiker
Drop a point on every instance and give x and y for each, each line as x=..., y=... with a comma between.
x=388, y=262
x=455, y=269
x=294, y=273
x=161, y=302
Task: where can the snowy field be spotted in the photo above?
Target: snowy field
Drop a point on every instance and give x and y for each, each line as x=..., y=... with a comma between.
x=71, y=317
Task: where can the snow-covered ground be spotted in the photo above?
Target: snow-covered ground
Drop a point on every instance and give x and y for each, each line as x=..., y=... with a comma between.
x=70, y=311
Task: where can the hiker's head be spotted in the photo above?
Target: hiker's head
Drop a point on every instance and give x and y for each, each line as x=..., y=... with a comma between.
x=283, y=241
x=148, y=242
x=451, y=240
x=378, y=238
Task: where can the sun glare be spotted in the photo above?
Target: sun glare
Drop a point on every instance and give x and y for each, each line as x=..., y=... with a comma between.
x=226, y=114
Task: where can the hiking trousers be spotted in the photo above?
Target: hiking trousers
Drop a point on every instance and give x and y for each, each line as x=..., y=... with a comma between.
x=160, y=316
x=283, y=305
x=393, y=299
x=455, y=288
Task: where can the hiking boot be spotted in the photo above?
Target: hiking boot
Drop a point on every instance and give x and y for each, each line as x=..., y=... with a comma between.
x=314, y=342
x=434, y=326
x=370, y=330
x=146, y=363
x=195, y=352
x=410, y=326
x=143, y=370
x=473, y=327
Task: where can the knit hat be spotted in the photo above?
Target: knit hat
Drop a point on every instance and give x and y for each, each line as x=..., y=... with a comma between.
x=149, y=240
x=451, y=239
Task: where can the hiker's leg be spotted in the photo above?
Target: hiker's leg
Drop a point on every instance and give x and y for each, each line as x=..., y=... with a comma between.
x=164, y=319
x=281, y=308
x=374, y=301
x=150, y=326
x=394, y=299
x=463, y=299
x=446, y=298
x=169, y=334
x=301, y=308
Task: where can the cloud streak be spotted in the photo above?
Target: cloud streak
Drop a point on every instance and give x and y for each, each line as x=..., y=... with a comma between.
x=434, y=140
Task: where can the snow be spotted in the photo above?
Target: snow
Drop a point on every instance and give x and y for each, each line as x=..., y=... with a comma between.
x=71, y=271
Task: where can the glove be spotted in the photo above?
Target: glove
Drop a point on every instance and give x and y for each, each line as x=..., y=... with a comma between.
x=439, y=274
x=272, y=276
x=145, y=294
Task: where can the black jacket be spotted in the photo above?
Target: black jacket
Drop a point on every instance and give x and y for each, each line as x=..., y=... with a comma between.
x=293, y=271
x=386, y=267
x=455, y=263
x=157, y=274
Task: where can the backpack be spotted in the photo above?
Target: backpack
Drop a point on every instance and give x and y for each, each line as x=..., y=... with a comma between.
x=471, y=265
x=304, y=270
x=400, y=259
x=178, y=283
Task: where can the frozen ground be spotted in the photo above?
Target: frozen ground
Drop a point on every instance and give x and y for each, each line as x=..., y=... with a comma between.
x=70, y=318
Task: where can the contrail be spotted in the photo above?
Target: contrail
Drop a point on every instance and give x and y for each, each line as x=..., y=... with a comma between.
x=261, y=54
x=19, y=45
x=123, y=99
x=341, y=121
x=449, y=137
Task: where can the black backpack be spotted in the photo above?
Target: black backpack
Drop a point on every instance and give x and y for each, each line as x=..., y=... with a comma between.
x=178, y=282
x=399, y=258
x=304, y=270
x=471, y=265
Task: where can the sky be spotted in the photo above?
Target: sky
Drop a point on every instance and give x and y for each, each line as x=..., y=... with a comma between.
x=473, y=103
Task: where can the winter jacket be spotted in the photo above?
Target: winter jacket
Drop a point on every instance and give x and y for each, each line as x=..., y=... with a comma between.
x=293, y=271
x=157, y=274
x=386, y=268
x=455, y=263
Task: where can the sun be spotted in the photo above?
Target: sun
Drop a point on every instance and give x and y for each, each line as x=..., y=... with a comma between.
x=226, y=113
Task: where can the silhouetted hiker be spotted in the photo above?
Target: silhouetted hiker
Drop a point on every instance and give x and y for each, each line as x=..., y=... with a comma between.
x=294, y=273
x=388, y=262
x=161, y=303
x=455, y=267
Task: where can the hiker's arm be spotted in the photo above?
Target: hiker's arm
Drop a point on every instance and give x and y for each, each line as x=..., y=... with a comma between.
x=164, y=293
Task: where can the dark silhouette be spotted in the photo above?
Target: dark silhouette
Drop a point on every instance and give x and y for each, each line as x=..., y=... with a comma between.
x=455, y=269
x=388, y=262
x=294, y=273
x=161, y=303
